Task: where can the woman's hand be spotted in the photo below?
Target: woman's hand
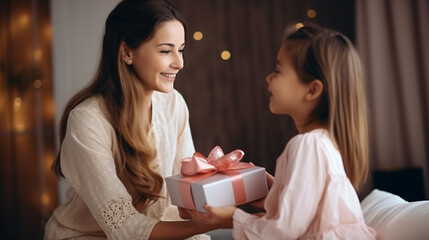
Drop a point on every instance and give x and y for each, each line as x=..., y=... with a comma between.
x=217, y=217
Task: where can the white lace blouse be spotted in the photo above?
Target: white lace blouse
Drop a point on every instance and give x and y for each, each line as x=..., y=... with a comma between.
x=98, y=204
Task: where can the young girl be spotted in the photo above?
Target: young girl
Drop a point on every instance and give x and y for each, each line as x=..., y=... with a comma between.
x=126, y=131
x=318, y=82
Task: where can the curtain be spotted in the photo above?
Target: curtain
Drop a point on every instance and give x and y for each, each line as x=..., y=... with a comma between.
x=393, y=40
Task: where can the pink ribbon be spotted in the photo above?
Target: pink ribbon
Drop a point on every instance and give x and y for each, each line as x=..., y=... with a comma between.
x=198, y=167
x=216, y=161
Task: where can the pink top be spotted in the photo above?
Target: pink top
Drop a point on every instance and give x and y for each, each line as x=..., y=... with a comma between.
x=311, y=197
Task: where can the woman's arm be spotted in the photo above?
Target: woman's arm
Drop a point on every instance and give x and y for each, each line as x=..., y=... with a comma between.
x=88, y=164
x=177, y=230
x=217, y=217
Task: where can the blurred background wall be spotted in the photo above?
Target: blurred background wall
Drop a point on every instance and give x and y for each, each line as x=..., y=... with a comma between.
x=50, y=49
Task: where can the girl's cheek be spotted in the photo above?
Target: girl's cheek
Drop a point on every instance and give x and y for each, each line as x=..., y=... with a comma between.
x=275, y=86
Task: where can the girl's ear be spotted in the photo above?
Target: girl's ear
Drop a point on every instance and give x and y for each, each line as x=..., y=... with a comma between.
x=126, y=53
x=315, y=90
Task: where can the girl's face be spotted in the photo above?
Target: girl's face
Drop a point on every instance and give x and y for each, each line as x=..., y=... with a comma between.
x=287, y=91
x=158, y=60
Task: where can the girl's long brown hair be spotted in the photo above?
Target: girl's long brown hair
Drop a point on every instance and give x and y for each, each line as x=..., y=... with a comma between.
x=319, y=53
x=132, y=22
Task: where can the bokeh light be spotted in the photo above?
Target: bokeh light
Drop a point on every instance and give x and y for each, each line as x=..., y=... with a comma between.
x=225, y=55
x=37, y=83
x=198, y=35
x=311, y=13
x=299, y=25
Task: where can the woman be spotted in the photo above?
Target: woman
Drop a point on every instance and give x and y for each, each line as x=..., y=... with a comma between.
x=126, y=131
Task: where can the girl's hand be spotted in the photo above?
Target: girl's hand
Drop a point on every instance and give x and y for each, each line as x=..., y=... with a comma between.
x=183, y=213
x=270, y=179
x=259, y=204
x=217, y=217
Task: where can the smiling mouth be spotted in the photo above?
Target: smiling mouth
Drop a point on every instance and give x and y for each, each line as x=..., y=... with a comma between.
x=169, y=75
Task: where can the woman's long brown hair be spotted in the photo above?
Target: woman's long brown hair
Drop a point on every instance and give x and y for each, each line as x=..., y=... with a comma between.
x=319, y=53
x=132, y=22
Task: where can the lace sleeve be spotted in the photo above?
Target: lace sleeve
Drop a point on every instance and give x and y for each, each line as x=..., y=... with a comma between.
x=117, y=212
x=119, y=218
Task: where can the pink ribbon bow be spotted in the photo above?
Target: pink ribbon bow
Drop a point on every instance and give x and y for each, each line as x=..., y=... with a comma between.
x=216, y=161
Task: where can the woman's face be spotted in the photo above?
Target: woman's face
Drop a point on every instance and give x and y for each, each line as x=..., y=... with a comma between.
x=158, y=60
x=287, y=91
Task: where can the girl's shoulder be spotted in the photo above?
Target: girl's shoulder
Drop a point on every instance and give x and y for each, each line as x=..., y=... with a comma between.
x=316, y=143
x=317, y=140
x=313, y=137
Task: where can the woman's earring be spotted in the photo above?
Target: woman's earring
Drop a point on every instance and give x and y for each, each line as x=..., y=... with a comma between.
x=129, y=61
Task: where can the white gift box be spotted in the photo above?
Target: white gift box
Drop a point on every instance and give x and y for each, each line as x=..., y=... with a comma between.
x=229, y=188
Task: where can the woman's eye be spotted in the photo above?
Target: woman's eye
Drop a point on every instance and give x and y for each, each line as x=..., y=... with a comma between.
x=165, y=51
x=181, y=50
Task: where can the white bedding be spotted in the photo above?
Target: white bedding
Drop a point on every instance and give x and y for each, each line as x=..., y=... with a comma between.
x=394, y=218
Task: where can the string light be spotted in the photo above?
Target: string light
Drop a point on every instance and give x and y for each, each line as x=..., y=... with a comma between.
x=225, y=55
x=48, y=31
x=37, y=54
x=20, y=128
x=45, y=199
x=17, y=102
x=49, y=159
x=198, y=35
x=23, y=20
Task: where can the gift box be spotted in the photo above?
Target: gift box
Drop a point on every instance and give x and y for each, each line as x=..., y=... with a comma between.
x=219, y=180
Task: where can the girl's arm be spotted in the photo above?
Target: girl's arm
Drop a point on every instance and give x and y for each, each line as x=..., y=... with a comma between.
x=270, y=179
x=259, y=204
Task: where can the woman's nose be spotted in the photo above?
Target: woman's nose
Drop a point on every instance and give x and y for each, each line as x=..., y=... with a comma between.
x=178, y=61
